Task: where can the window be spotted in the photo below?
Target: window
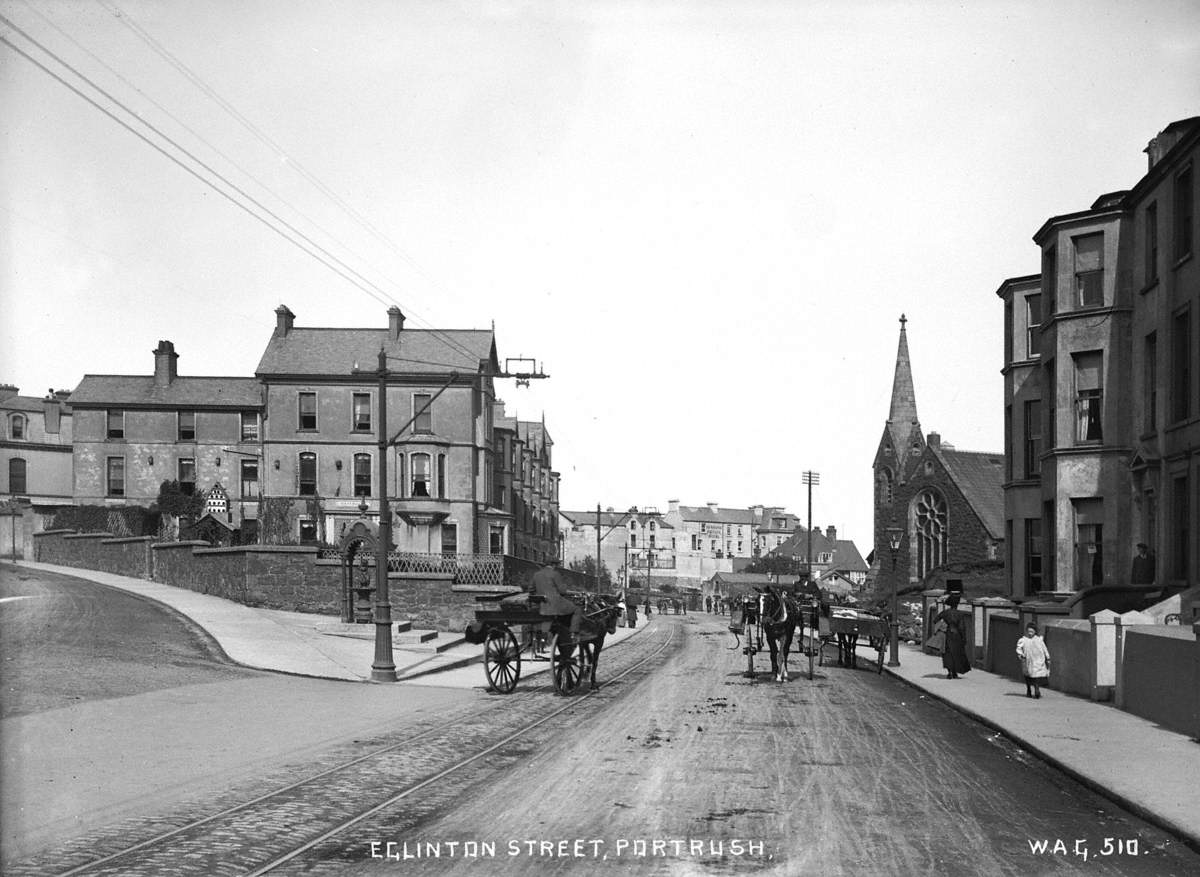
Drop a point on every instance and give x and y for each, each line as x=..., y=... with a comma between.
x=308, y=531
x=16, y=476
x=361, y=417
x=308, y=474
x=1033, y=555
x=17, y=426
x=1181, y=530
x=1008, y=443
x=424, y=419
x=929, y=524
x=249, y=426
x=1008, y=330
x=1089, y=396
x=1151, y=242
x=187, y=426
x=1150, y=389
x=633, y=540
x=450, y=539
x=652, y=540
x=441, y=477
x=420, y=475
x=1089, y=270
x=249, y=479
x=885, y=486
x=1049, y=277
x=1183, y=213
x=1033, y=322
x=695, y=543
x=116, y=423
x=187, y=476
x=308, y=411
x=1181, y=362
x=116, y=476
x=1051, y=407
x=1089, y=542
x=362, y=474
x=1033, y=438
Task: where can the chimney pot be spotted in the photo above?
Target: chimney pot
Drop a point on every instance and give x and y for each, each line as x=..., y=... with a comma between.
x=831, y=533
x=935, y=440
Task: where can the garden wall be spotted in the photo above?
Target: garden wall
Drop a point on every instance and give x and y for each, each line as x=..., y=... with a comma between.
x=1161, y=676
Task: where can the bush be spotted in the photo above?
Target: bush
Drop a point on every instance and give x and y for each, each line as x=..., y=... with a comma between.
x=120, y=521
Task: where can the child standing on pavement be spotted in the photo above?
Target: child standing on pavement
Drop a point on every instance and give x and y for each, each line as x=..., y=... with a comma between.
x=1035, y=661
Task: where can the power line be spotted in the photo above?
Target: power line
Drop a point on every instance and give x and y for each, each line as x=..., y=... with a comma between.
x=345, y=271
x=264, y=138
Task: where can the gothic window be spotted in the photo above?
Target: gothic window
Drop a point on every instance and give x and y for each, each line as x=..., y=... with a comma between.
x=885, y=486
x=928, y=523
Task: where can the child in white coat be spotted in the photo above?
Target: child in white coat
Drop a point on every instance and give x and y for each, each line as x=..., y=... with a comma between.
x=1035, y=661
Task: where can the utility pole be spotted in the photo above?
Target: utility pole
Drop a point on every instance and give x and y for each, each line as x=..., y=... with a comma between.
x=598, y=537
x=810, y=478
x=384, y=667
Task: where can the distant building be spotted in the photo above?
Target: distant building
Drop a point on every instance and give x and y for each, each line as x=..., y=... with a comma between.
x=1102, y=396
x=526, y=490
x=829, y=553
x=948, y=505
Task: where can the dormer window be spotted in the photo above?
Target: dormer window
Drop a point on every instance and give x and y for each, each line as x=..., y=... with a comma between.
x=16, y=426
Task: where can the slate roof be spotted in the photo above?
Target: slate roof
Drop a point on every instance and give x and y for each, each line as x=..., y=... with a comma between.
x=980, y=477
x=31, y=404
x=136, y=391
x=324, y=352
x=612, y=519
x=797, y=544
x=752, y=578
x=847, y=557
x=705, y=515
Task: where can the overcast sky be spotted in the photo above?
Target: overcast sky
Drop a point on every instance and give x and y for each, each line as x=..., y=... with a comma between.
x=704, y=219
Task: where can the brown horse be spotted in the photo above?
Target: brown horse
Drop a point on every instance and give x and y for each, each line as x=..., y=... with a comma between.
x=600, y=613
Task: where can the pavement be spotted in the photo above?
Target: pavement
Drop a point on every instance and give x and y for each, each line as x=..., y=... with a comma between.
x=1147, y=769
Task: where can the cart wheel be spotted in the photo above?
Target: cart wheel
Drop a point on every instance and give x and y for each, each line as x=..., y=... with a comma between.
x=566, y=665
x=502, y=660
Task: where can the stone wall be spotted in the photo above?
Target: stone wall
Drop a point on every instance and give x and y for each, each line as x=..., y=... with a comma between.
x=98, y=551
x=1161, y=676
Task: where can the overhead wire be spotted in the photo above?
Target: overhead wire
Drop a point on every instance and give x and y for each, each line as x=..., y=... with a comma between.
x=321, y=254
x=131, y=24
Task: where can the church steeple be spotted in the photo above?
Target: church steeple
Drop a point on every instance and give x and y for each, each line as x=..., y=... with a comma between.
x=904, y=398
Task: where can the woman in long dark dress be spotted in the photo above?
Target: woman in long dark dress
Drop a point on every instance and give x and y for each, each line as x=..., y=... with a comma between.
x=954, y=656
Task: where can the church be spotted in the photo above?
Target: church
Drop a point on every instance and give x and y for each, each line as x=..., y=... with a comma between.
x=945, y=505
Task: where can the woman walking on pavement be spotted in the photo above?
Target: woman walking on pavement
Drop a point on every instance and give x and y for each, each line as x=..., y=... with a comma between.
x=1035, y=661
x=954, y=657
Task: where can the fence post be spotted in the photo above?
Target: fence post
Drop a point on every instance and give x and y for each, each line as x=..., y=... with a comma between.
x=1104, y=655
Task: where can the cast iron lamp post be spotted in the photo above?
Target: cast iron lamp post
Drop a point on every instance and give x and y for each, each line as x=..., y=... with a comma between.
x=894, y=534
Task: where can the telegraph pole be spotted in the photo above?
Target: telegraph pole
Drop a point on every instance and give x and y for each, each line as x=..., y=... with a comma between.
x=384, y=667
x=810, y=478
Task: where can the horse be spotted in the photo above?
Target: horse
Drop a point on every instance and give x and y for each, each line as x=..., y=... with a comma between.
x=600, y=613
x=780, y=614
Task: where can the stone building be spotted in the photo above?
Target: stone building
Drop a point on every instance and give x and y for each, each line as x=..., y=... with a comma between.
x=133, y=432
x=526, y=490
x=1102, y=400
x=947, y=504
x=829, y=553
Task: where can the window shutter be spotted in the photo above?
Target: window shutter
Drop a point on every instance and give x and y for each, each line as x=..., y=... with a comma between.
x=1087, y=371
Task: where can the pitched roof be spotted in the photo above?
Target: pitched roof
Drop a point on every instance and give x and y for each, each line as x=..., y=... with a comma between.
x=29, y=403
x=136, y=391
x=706, y=515
x=980, y=477
x=796, y=545
x=612, y=519
x=305, y=351
x=846, y=557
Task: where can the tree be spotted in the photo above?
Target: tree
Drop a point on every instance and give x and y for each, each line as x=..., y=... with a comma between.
x=587, y=566
x=173, y=501
x=778, y=565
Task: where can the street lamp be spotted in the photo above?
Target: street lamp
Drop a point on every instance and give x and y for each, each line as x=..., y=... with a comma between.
x=894, y=534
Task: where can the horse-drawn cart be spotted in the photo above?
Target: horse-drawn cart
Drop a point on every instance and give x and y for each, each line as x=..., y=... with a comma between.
x=845, y=627
x=517, y=627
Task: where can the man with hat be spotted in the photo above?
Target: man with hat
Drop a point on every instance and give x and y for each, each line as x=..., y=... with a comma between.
x=1143, y=566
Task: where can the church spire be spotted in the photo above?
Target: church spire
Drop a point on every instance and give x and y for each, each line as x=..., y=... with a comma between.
x=904, y=398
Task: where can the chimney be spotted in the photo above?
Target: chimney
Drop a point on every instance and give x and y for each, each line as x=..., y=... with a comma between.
x=831, y=533
x=7, y=391
x=934, y=440
x=395, y=322
x=283, y=321
x=713, y=507
x=1161, y=145
x=673, y=506
x=164, y=364
x=52, y=412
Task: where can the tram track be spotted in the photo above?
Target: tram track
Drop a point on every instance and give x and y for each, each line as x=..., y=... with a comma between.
x=270, y=829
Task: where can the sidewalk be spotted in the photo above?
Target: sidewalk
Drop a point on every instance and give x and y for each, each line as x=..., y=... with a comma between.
x=1147, y=769
x=303, y=644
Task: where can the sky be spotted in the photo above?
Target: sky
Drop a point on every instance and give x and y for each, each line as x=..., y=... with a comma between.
x=703, y=219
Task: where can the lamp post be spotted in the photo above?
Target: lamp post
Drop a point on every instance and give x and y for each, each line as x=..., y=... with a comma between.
x=894, y=534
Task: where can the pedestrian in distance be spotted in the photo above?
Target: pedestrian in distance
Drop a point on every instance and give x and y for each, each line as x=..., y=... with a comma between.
x=1142, y=571
x=954, y=655
x=1035, y=661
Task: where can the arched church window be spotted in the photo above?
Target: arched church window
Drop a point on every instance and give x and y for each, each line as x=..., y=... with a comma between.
x=886, y=486
x=929, y=526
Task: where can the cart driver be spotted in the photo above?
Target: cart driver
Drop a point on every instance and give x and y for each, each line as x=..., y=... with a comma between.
x=549, y=584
